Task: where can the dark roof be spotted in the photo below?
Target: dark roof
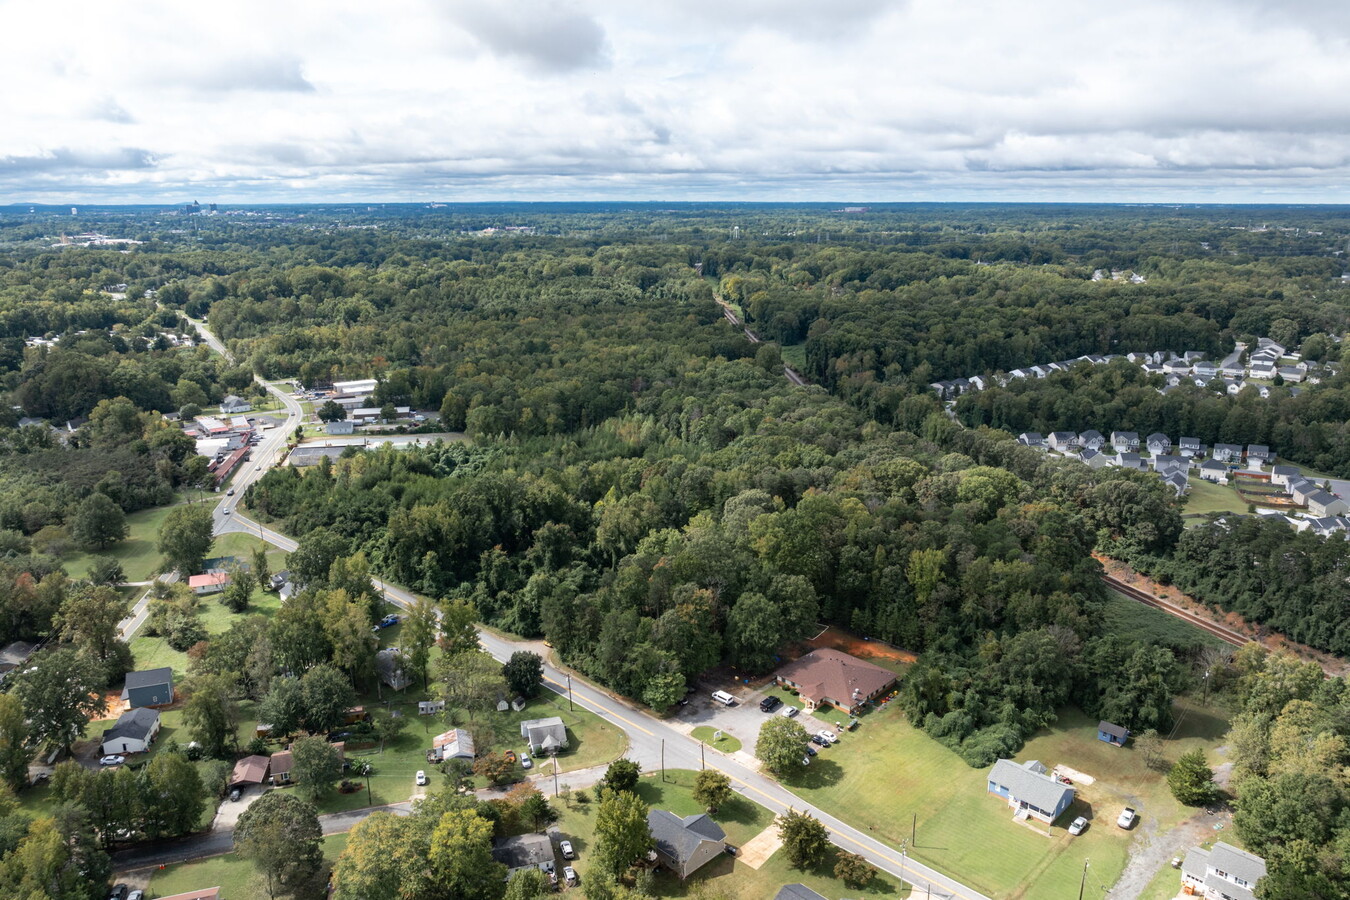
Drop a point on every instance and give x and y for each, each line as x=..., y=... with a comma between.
x=679, y=838
x=523, y=850
x=1028, y=782
x=1112, y=729
x=150, y=678
x=134, y=723
x=796, y=892
x=250, y=770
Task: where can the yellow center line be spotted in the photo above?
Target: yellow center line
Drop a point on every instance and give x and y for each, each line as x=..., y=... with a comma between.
x=600, y=710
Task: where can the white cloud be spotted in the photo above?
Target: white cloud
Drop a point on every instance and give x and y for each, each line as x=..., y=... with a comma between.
x=866, y=99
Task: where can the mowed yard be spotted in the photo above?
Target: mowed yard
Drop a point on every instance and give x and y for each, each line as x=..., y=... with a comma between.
x=742, y=820
x=887, y=773
x=238, y=878
x=138, y=554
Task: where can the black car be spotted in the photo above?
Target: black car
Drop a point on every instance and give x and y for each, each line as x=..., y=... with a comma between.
x=769, y=704
x=819, y=741
x=811, y=751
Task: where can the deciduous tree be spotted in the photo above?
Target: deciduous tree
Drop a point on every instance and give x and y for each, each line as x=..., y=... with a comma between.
x=316, y=766
x=805, y=840
x=524, y=672
x=185, y=538
x=98, y=523
x=712, y=789
x=60, y=693
x=781, y=745
x=621, y=833
x=461, y=857
x=280, y=834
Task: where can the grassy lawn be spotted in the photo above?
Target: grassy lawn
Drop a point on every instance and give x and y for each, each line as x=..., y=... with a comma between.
x=1206, y=497
x=794, y=355
x=1164, y=886
x=138, y=554
x=707, y=734
x=724, y=877
x=238, y=877
x=896, y=773
x=783, y=694
x=593, y=742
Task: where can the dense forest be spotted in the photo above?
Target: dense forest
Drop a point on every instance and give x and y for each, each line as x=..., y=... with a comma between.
x=640, y=472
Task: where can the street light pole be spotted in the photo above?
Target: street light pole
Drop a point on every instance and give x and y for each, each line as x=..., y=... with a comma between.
x=1083, y=883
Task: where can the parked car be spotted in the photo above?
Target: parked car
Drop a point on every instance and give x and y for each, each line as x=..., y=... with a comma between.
x=112, y=760
x=421, y=778
x=828, y=736
x=567, y=851
x=811, y=751
x=1077, y=825
x=389, y=620
x=510, y=756
x=732, y=851
x=789, y=711
x=525, y=761
x=769, y=704
x=1127, y=817
x=806, y=760
x=570, y=875
x=236, y=794
x=136, y=895
x=819, y=741
x=119, y=892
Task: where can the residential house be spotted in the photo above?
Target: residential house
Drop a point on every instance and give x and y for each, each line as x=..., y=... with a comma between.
x=430, y=707
x=233, y=405
x=1158, y=443
x=1281, y=475
x=453, y=744
x=1223, y=873
x=1326, y=526
x=1032, y=439
x=1094, y=459
x=341, y=426
x=1091, y=440
x=134, y=732
x=1292, y=374
x=1177, y=367
x=392, y=669
x=1029, y=790
x=1268, y=345
x=1155, y=369
x=1129, y=461
x=1262, y=370
x=1258, y=453
x=978, y=382
x=1233, y=370
x=1213, y=471
x=544, y=735
x=1324, y=503
x=1178, y=482
x=1206, y=370
x=1301, y=489
x=1166, y=465
x=15, y=655
x=209, y=583
x=826, y=676
x=1112, y=734
x=1065, y=441
x=796, y=892
x=685, y=845
x=525, y=851
x=282, y=763
x=250, y=770
x=1125, y=441
x=1232, y=387
x=1228, y=452
x=278, y=581
x=1193, y=356
x=1190, y=447
x=202, y=894
x=153, y=687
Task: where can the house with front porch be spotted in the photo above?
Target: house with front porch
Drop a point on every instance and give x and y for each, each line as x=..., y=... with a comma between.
x=1030, y=790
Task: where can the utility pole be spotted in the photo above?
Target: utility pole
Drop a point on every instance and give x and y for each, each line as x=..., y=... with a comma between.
x=555, y=776
x=914, y=831
x=663, y=760
x=904, y=858
x=569, y=691
x=702, y=762
x=1083, y=883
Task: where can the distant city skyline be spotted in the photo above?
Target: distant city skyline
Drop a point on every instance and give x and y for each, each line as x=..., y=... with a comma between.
x=1201, y=101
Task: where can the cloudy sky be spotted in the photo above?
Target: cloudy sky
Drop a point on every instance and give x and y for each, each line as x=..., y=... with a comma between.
x=301, y=100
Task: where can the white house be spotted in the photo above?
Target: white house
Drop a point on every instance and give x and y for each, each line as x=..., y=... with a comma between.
x=1091, y=440
x=233, y=405
x=1324, y=503
x=343, y=426
x=1032, y=439
x=1094, y=459
x=1029, y=790
x=1281, y=475
x=1190, y=447
x=1227, y=452
x=1125, y=441
x=1224, y=873
x=1063, y=440
x=134, y=732
x=1158, y=443
x=1213, y=471
x=1129, y=461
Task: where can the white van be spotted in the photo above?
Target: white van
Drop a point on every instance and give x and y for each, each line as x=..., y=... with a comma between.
x=724, y=698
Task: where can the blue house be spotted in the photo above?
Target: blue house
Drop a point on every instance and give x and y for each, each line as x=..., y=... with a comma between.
x=153, y=687
x=1029, y=790
x=1112, y=734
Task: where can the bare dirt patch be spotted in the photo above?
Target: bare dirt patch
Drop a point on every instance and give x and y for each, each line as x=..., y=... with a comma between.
x=837, y=639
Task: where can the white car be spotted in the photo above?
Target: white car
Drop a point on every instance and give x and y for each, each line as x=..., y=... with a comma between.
x=1127, y=817
x=421, y=777
x=1077, y=825
x=826, y=735
x=567, y=851
x=569, y=875
x=789, y=711
x=227, y=510
x=112, y=760
x=525, y=761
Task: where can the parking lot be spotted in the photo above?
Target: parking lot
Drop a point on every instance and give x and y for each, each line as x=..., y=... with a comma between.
x=743, y=720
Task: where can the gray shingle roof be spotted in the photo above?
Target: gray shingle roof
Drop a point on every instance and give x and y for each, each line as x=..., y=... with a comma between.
x=796, y=892
x=150, y=677
x=134, y=723
x=679, y=838
x=1112, y=729
x=1028, y=785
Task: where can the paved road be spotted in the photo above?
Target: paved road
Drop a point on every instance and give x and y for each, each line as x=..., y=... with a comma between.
x=651, y=741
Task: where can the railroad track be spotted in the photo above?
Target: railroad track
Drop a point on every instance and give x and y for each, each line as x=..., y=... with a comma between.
x=1228, y=635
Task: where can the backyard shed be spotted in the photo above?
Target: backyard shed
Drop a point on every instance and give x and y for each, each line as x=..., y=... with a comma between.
x=1113, y=734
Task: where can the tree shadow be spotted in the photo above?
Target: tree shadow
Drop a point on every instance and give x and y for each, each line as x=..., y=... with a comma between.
x=823, y=772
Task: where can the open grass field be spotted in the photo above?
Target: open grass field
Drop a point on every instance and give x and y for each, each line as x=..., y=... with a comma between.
x=794, y=355
x=889, y=777
x=1206, y=497
x=724, y=877
x=138, y=554
x=237, y=877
